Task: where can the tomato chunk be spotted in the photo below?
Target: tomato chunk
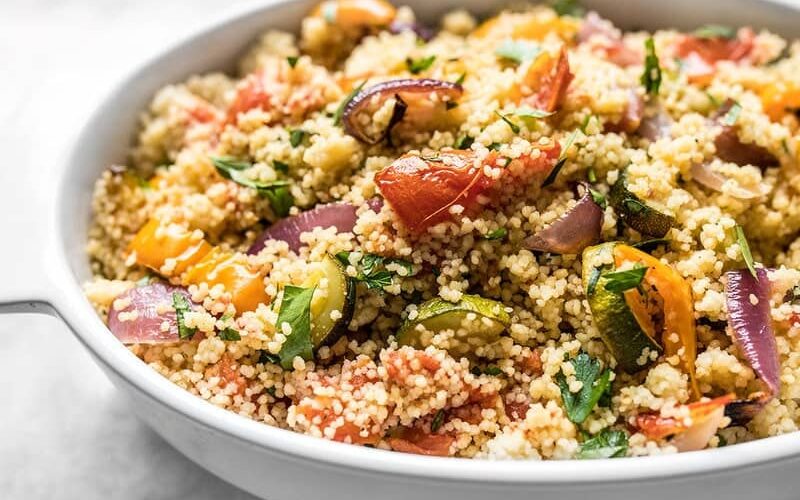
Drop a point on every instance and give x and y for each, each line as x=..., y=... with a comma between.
x=548, y=78
x=419, y=442
x=654, y=426
x=701, y=54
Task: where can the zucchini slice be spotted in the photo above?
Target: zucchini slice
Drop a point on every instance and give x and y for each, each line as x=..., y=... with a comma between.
x=635, y=213
x=333, y=303
x=474, y=321
x=617, y=322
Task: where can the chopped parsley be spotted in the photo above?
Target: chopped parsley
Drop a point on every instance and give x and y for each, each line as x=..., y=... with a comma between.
x=609, y=443
x=337, y=116
x=460, y=79
x=651, y=78
x=585, y=123
x=567, y=7
x=526, y=112
x=591, y=175
x=277, y=192
x=732, y=114
x=598, y=198
x=296, y=312
x=579, y=405
x=517, y=51
x=622, y=281
x=372, y=269
x=464, y=142
x=292, y=60
x=265, y=357
x=280, y=166
x=416, y=66
x=296, y=137
x=229, y=334
x=280, y=200
x=562, y=159
x=181, y=305
x=495, y=146
x=745, y=248
x=438, y=420
x=513, y=126
x=711, y=31
x=490, y=370
x=497, y=234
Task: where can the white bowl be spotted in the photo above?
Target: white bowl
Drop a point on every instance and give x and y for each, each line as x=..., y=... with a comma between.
x=45, y=226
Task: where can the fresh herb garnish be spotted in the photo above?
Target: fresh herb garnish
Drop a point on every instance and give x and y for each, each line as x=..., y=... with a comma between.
x=292, y=60
x=372, y=269
x=416, y=66
x=495, y=146
x=460, y=79
x=587, y=370
x=229, y=334
x=567, y=8
x=651, y=78
x=280, y=200
x=497, y=234
x=598, y=198
x=296, y=312
x=591, y=175
x=492, y=371
x=265, y=357
x=296, y=137
x=622, y=281
x=437, y=421
x=277, y=192
x=518, y=51
x=562, y=159
x=181, y=305
x=585, y=123
x=526, y=112
x=280, y=166
x=609, y=443
x=464, y=142
x=745, y=248
x=732, y=114
x=513, y=126
x=337, y=116
x=722, y=441
x=711, y=31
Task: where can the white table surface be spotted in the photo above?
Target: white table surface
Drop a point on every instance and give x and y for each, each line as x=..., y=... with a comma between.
x=65, y=433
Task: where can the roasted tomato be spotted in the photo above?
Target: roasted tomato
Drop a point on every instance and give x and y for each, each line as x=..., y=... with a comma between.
x=654, y=426
x=422, y=189
x=701, y=54
x=419, y=442
x=545, y=83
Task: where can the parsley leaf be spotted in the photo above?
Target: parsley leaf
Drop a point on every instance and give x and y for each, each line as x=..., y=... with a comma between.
x=591, y=175
x=438, y=420
x=732, y=114
x=372, y=269
x=497, y=234
x=265, y=357
x=651, y=78
x=277, y=192
x=513, y=126
x=464, y=142
x=587, y=370
x=416, y=66
x=337, y=116
x=229, y=334
x=460, y=79
x=281, y=200
x=526, y=112
x=567, y=8
x=745, y=248
x=296, y=311
x=518, y=51
x=711, y=31
x=598, y=198
x=296, y=137
x=609, y=443
x=292, y=60
x=181, y=305
x=280, y=166
x=622, y=281
x=562, y=159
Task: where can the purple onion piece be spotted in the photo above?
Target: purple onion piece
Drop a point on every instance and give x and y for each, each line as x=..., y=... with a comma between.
x=422, y=32
x=593, y=24
x=415, y=93
x=342, y=216
x=655, y=127
x=153, y=306
x=705, y=175
x=375, y=204
x=751, y=323
x=731, y=149
x=742, y=411
x=574, y=231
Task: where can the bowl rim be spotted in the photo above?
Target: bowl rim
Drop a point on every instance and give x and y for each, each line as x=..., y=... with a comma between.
x=69, y=301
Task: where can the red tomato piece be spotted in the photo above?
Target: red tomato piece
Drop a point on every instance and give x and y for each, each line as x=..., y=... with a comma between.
x=700, y=54
x=251, y=93
x=654, y=426
x=419, y=442
x=548, y=77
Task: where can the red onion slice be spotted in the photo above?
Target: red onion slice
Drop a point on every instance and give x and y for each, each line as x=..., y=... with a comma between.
x=731, y=149
x=152, y=305
x=742, y=411
x=751, y=323
x=342, y=216
x=655, y=127
x=416, y=94
x=705, y=175
x=631, y=118
x=422, y=32
x=574, y=231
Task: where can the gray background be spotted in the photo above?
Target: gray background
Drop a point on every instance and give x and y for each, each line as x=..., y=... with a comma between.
x=64, y=431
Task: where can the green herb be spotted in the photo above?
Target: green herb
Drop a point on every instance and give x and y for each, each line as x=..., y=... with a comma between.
x=265, y=357
x=296, y=312
x=526, y=112
x=495, y=146
x=280, y=200
x=372, y=269
x=587, y=370
x=598, y=198
x=181, y=305
x=609, y=443
x=416, y=66
x=591, y=175
x=715, y=31
x=713, y=100
x=292, y=60
x=513, y=126
x=280, y=166
x=460, y=79
x=337, y=116
x=518, y=51
x=464, y=142
x=562, y=159
x=722, y=441
x=271, y=390
x=567, y=8
x=651, y=78
x=622, y=281
x=438, y=420
x=732, y=115
x=745, y=248
x=229, y=334
x=650, y=245
x=586, y=123
x=497, y=234
x=492, y=371
x=233, y=169
x=296, y=137
x=594, y=277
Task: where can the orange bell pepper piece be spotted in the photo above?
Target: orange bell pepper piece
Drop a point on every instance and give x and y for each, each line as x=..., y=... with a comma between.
x=546, y=81
x=527, y=26
x=155, y=244
x=780, y=98
x=232, y=272
x=679, y=336
x=349, y=14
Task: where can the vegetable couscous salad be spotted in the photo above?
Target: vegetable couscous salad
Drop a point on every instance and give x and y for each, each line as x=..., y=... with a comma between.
x=530, y=236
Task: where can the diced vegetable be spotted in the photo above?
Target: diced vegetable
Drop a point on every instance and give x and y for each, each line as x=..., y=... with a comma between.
x=705, y=174
x=691, y=433
x=419, y=442
x=523, y=26
x=548, y=78
x=148, y=316
x=475, y=321
x=574, y=231
x=779, y=98
x=332, y=306
x=355, y=14
x=635, y=213
x=656, y=126
x=742, y=411
x=156, y=244
x=700, y=54
x=423, y=32
x=747, y=299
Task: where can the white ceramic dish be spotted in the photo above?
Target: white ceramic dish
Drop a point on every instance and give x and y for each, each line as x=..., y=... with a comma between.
x=43, y=263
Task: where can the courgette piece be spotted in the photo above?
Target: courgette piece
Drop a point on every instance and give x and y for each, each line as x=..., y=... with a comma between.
x=635, y=213
x=336, y=291
x=475, y=321
x=614, y=318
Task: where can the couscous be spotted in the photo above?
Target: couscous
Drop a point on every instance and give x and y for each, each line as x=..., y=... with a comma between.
x=531, y=236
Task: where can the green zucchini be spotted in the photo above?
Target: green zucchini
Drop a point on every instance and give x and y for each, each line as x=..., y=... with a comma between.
x=332, y=311
x=635, y=213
